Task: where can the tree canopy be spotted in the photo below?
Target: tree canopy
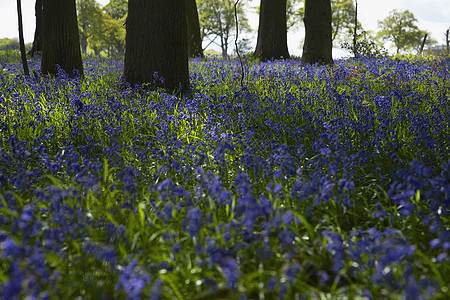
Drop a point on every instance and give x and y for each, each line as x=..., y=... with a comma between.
x=116, y=9
x=99, y=28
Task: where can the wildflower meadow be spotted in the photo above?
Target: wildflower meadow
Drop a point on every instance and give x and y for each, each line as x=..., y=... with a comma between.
x=267, y=180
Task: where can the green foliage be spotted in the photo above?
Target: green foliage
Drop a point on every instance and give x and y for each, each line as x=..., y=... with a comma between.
x=100, y=31
x=294, y=13
x=342, y=19
x=8, y=44
x=116, y=9
x=400, y=28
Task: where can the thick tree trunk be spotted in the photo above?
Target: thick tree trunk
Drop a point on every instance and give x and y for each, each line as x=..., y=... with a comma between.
x=272, y=31
x=156, y=43
x=37, y=47
x=318, y=44
x=60, y=37
x=193, y=29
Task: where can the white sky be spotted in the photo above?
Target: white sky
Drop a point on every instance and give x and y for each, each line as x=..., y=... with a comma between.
x=432, y=15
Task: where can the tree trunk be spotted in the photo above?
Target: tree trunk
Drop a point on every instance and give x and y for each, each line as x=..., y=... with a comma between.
x=318, y=44
x=272, y=31
x=60, y=37
x=447, y=41
x=355, y=30
x=156, y=43
x=37, y=47
x=23, y=53
x=193, y=29
x=83, y=43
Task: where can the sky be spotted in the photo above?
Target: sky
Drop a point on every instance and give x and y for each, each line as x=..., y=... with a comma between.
x=432, y=15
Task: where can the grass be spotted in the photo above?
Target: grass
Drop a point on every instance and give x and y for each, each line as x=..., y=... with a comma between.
x=304, y=182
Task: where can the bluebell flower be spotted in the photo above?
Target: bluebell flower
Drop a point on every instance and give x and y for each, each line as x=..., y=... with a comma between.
x=155, y=293
x=9, y=247
x=272, y=283
x=102, y=253
x=132, y=280
x=286, y=237
x=288, y=217
x=14, y=285
x=324, y=277
x=412, y=290
x=442, y=257
x=231, y=270
x=282, y=290
x=292, y=272
x=193, y=221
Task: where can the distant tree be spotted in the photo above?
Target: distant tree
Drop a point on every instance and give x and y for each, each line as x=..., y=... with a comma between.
x=100, y=31
x=37, y=47
x=60, y=37
x=156, y=44
x=342, y=19
x=318, y=44
x=116, y=9
x=193, y=29
x=110, y=37
x=272, y=31
x=90, y=22
x=401, y=29
x=217, y=21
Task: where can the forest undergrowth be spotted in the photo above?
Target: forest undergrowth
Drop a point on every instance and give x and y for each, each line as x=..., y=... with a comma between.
x=298, y=182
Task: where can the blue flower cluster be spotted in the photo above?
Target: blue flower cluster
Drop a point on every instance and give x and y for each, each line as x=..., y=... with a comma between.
x=305, y=181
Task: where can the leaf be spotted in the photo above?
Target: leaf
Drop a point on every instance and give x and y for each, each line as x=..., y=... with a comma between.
x=305, y=223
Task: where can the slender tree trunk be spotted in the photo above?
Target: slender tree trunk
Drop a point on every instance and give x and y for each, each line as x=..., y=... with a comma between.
x=23, y=53
x=156, y=42
x=318, y=44
x=224, y=47
x=355, y=32
x=423, y=44
x=37, y=47
x=83, y=43
x=447, y=41
x=272, y=31
x=60, y=37
x=193, y=29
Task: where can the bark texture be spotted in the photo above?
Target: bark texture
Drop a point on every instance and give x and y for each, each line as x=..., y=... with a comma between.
x=193, y=29
x=272, y=31
x=156, y=43
x=37, y=47
x=318, y=43
x=60, y=37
